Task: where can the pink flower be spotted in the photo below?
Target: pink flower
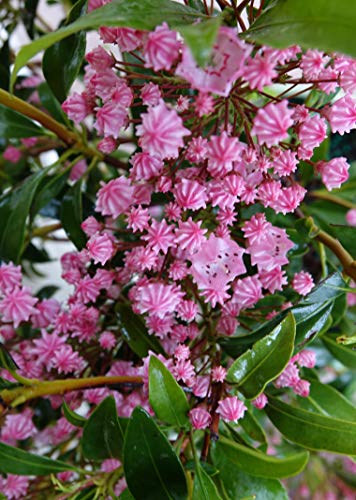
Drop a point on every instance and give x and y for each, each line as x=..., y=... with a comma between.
x=17, y=306
x=273, y=280
x=260, y=402
x=150, y=94
x=78, y=170
x=272, y=122
x=227, y=61
x=312, y=132
x=270, y=250
x=107, y=145
x=110, y=119
x=200, y=418
x=334, y=172
x=91, y=226
x=158, y=299
x=231, y=409
x=12, y=154
x=259, y=71
x=312, y=62
x=187, y=310
x=350, y=218
x=204, y=104
x=348, y=78
x=115, y=197
x=184, y=370
x=306, y=358
x=162, y=131
x=247, y=291
x=218, y=374
x=10, y=277
x=145, y=166
x=127, y=38
x=302, y=388
x=14, y=487
x=285, y=163
x=100, y=248
x=107, y=340
x=138, y=219
x=197, y=149
x=160, y=236
x=66, y=360
x=47, y=309
x=222, y=152
x=342, y=115
x=161, y=49
x=99, y=59
x=46, y=346
x=190, y=194
x=18, y=427
x=110, y=464
x=76, y=107
x=289, y=377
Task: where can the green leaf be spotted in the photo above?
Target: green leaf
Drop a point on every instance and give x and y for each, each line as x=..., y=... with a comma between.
x=50, y=102
x=138, y=14
x=239, y=485
x=251, y=425
x=311, y=430
x=200, y=38
x=17, y=461
x=13, y=125
x=103, y=433
x=204, y=487
x=347, y=237
x=62, y=61
x=166, y=397
x=152, y=469
x=328, y=289
x=135, y=333
x=325, y=399
x=6, y=360
x=14, y=210
x=73, y=417
x=48, y=189
x=257, y=463
x=346, y=355
x=310, y=319
x=265, y=361
x=71, y=215
x=328, y=26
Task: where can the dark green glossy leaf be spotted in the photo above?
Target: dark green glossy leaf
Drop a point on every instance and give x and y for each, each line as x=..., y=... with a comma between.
x=28, y=15
x=103, y=435
x=166, y=397
x=16, y=461
x=135, y=333
x=152, y=469
x=347, y=237
x=62, y=61
x=35, y=255
x=48, y=189
x=5, y=384
x=204, y=487
x=46, y=292
x=16, y=126
x=72, y=416
x=252, y=427
x=5, y=66
x=256, y=462
x=126, y=495
x=71, y=215
x=239, y=485
x=310, y=319
x=6, y=360
x=328, y=26
x=328, y=289
x=343, y=353
x=200, y=38
x=265, y=361
x=14, y=210
x=138, y=14
x=49, y=101
x=311, y=430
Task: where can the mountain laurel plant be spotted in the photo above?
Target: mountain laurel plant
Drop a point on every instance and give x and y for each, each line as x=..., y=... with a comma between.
x=201, y=173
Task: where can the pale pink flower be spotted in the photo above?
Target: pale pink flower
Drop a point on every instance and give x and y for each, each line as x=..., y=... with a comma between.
x=10, y=277
x=47, y=309
x=197, y=149
x=87, y=289
x=272, y=122
x=312, y=132
x=17, y=306
x=178, y=270
x=183, y=103
x=187, y=310
x=46, y=346
x=342, y=115
x=128, y=39
x=107, y=145
x=259, y=71
x=95, y=396
x=150, y=94
x=222, y=152
x=273, y=280
x=331, y=83
x=18, y=427
x=138, y=219
x=204, y=104
x=110, y=119
x=160, y=236
x=289, y=199
x=61, y=430
x=162, y=131
x=190, y=235
x=182, y=352
x=76, y=107
x=104, y=278
x=350, y=217
x=348, y=78
x=173, y=211
x=184, y=370
x=333, y=172
x=218, y=374
x=159, y=326
x=231, y=409
x=270, y=250
x=145, y=166
x=200, y=418
x=78, y=170
x=100, y=248
x=312, y=62
x=227, y=61
x=247, y=291
x=99, y=59
x=306, y=358
x=14, y=487
x=256, y=227
x=12, y=154
x=161, y=48
x=122, y=94
x=260, y=402
x=110, y=464
x=289, y=377
x=103, y=83
x=302, y=388
x=91, y=226
x=66, y=360
x=115, y=197
x=190, y=194
x=285, y=163
x=107, y=340
x=158, y=299
x=227, y=325
x=201, y=386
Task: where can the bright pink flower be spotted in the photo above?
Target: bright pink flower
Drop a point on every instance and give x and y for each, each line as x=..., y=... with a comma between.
x=312, y=132
x=256, y=227
x=190, y=194
x=107, y=145
x=46, y=346
x=138, y=219
x=231, y=409
x=334, y=172
x=289, y=377
x=172, y=211
x=110, y=119
x=122, y=94
x=91, y=226
x=128, y=39
x=161, y=49
x=162, y=131
x=87, y=289
x=289, y=199
x=197, y=149
x=100, y=248
x=259, y=71
x=269, y=193
x=178, y=270
x=12, y=154
x=76, y=107
x=107, y=340
x=285, y=163
x=260, y=402
x=115, y=197
x=14, y=487
x=182, y=352
x=145, y=166
x=95, y=4
x=227, y=61
x=204, y=104
x=18, y=427
x=348, y=78
x=200, y=418
x=104, y=83
x=187, y=310
x=273, y=280
x=218, y=374
x=104, y=278
x=66, y=360
x=183, y=103
x=17, y=306
x=342, y=115
x=302, y=388
x=110, y=464
x=312, y=62
x=350, y=217
x=247, y=291
x=184, y=370
x=150, y=94
x=47, y=309
x=303, y=282
x=222, y=152
x=160, y=236
x=158, y=299
x=10, y=277
x=99, y=59
x=201, y=386
x=306, y=358
x=272, y=122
